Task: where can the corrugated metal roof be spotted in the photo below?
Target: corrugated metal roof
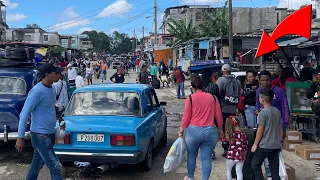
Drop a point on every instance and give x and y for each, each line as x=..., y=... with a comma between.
x=293, y=42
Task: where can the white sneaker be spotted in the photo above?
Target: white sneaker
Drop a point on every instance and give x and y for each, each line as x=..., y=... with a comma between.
x=269, y=178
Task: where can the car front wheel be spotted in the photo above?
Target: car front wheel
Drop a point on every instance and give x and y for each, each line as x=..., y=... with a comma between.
x=147, y=163
x=164, y=140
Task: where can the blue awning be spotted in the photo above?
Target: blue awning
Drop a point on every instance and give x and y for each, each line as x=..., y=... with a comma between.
x=293, y=42
x=206, y=64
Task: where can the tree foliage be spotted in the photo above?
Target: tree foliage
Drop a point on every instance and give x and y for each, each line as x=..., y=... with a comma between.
x=56, y=50
x=121, y=43
x=182, y=31
x=215, y=26
x=99, y=40
x=32, y=26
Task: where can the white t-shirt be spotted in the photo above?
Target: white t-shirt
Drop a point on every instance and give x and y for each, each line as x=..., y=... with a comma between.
x=79, y=81
x=63, y=97
x=72, y=74
x=89, y=71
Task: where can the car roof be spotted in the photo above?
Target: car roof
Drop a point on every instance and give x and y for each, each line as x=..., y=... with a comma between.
x=241, y=73
x=123, y=87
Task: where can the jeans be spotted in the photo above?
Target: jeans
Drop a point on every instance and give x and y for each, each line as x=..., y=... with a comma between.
x=229, y=165
x=44, y=154
x=250, y=112
x=103, y=75
x=259, y=156
x=206, y=139
x=180, y=88
x=266, y=167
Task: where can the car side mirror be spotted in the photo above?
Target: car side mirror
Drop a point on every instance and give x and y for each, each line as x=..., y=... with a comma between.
x=163, y=103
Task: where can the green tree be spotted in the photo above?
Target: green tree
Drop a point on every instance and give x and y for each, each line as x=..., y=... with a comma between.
x=55, y=51
x=121, y=43
x=99, y=40
x=32, y=26
x=182, y=31
x=215, y=26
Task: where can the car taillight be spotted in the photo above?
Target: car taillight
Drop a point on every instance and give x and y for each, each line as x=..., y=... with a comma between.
x=65, y=140
x=122, y=140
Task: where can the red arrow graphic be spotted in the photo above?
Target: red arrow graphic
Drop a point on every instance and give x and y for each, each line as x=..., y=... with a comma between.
x=298, y=23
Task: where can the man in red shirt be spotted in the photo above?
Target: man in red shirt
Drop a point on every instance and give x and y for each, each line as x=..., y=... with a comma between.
x=137, y=62
x=179, y=79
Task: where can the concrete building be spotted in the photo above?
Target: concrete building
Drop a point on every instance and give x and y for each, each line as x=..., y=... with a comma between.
x=184, y=13
x=32, y=35
x=163, y=40
x=245, y=19
x=76, y=41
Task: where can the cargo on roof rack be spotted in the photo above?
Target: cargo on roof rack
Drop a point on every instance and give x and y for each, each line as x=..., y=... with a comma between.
x=14, y=63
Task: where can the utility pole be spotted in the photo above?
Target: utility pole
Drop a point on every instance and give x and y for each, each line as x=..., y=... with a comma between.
x=142, y=37
x=155, y=24
x=230, y=32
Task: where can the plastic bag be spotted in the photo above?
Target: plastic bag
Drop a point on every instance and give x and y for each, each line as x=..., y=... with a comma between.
x=175, y=155
x=60, y=133
x=282, y=168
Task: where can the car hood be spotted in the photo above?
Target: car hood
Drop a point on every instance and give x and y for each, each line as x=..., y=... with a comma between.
x=100, y=123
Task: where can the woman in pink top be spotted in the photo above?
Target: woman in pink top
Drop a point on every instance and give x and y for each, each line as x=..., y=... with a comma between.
x=201, y=129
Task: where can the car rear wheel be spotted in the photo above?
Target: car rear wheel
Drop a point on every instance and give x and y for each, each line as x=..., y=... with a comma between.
x=147, y=163
x=164, y=140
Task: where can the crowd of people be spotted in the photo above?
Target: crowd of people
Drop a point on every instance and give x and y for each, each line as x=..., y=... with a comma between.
x=214, y=112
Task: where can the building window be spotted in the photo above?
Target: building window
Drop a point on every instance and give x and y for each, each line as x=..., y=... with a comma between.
x=73, y=41
x=198, y=16
x=27, y=37
x=45, y=38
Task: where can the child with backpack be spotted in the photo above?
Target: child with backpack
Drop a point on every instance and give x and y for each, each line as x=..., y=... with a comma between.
x=238, y=147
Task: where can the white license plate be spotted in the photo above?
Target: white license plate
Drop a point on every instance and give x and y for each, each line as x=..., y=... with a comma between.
x=90, y=137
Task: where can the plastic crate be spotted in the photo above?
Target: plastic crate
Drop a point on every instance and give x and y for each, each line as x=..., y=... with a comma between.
x=297, y=99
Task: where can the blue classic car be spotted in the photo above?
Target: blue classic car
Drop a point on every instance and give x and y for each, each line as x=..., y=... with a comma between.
x=16, y=79
x=113, y=123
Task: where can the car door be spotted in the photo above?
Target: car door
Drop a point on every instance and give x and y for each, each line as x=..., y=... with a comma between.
x=159, y=115
x=150, y=114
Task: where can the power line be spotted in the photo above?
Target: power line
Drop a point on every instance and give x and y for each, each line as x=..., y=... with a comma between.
x=55, y=27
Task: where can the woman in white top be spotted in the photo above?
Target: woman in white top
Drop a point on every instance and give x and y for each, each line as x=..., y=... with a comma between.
x=89, y=73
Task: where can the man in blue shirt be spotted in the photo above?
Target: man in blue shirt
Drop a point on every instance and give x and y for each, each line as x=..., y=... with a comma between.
x=40, y=104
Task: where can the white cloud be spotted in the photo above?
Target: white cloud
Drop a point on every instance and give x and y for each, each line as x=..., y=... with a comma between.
x=117, y=8
x=113, y=30
x=9, y=4
x=70, y=19
x=15, y=17
x=293, y=4
x=83, y=29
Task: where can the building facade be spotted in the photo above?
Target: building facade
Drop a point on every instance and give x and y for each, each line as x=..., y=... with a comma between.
x=245, y=19
x=32, y=35
x=77, y=41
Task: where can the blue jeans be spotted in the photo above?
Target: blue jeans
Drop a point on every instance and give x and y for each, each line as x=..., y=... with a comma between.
x=206, y=139
x=44, y=154
x=180, y=88
x=250, y=112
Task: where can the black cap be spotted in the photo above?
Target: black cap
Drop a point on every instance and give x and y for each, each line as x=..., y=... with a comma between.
x=50, y=68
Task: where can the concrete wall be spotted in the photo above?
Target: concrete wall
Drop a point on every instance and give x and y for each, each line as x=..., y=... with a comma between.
x=53, y=39
x=251, y=19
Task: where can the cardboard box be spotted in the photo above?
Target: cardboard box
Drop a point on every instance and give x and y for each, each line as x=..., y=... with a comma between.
x=294, y=136
x=291, y=172
x=300, y=150
x=289, y=146
x=312, y=154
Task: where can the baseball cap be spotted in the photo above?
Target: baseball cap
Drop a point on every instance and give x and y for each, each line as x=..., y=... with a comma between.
x=50, y=68
x=225, y=67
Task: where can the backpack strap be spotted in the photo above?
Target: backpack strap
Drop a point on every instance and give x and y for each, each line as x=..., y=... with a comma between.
x=57, y=97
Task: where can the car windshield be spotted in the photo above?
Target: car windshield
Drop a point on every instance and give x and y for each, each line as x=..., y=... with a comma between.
x=105, y=103
x=10, y=85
